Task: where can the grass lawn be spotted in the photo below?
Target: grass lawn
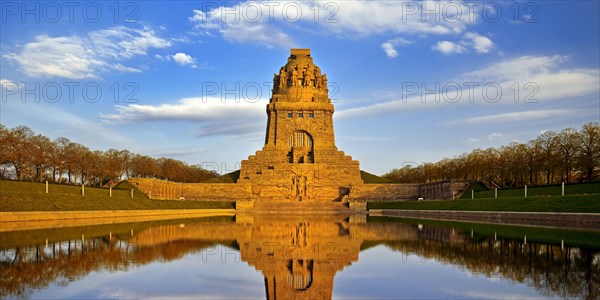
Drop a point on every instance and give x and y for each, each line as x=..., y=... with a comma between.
x=225, y=178
x=31, y=196
x=547, y=190
x=372, y=178
x=572, y=203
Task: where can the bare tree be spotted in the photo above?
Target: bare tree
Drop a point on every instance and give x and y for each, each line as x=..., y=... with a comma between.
x=59, y=157
x=567, y=142
x=589, y=154
x=41, y=154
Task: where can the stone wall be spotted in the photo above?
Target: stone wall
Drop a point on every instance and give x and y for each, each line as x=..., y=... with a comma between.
x=245, y=190
x=384, y=192
x=446, y=189
x=162, y=189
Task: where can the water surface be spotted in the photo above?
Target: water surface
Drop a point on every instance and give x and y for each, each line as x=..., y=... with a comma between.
x=270, y=257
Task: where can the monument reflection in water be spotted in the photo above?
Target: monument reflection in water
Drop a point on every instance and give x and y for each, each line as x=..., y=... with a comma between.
x=298, y=257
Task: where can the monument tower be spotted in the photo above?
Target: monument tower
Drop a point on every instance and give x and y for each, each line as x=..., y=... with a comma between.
x=299, y=161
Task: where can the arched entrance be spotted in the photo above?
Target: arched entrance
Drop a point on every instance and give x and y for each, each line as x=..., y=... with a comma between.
x=301, y=147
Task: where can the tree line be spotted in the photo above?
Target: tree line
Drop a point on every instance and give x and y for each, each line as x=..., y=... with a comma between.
x=27, y=156
x=552, y=157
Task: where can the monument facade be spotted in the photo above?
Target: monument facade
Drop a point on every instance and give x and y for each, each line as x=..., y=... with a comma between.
x=300, y=161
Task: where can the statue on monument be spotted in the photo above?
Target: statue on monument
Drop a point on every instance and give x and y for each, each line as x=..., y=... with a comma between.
x=282, y=78
x=294, y=78
x=308, y=78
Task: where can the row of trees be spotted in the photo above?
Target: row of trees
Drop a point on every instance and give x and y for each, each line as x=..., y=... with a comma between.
x=566, y=156
x=27, y=156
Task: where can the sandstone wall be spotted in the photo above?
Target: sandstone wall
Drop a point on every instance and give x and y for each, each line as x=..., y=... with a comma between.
x=385, y=192
x=162, y=189
x=270, y=188
x=446, y=189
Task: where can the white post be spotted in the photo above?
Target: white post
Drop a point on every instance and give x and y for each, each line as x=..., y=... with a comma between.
x=495, y=193
x=472, y=194
x=110, y=191
x=131, y=193
x=46, y=186
x=525, y=240
x=82, y=190
x=563, y=189
x=525, y=191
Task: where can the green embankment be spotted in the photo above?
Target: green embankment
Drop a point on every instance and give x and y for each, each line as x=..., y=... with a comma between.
x=371, y=178
x=548, y=190
x=572, y=203
x=31, y=196
x=225, y=178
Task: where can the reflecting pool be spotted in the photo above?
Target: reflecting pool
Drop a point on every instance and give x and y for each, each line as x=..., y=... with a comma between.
x=300, y=257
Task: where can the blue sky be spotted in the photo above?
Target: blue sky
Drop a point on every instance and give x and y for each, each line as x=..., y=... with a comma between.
x=412, y=81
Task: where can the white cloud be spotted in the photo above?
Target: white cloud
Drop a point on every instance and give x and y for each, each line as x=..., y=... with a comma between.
x=357, y=17
x=448, y=48
x=57, y=57
x=521, y=116
x=494, y=136
x=389, y=46
x=480, y=43
x=540, y=78
x=125, y=69
x=214, y=116
x=6, y=83
x=162, y=57
x=79, y=57
x=471, y=40
x=238, y=28
x=124, y=43
x=520, y=67
x=389, y=49
x=269, y=23
x=473, y=140
x=183, y=59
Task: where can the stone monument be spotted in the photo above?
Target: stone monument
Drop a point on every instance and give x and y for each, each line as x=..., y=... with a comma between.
x=299, y=161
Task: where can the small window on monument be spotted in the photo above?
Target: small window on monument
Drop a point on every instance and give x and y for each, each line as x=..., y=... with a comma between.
x=300, y=115
x=311, y=115
x=290, y=115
